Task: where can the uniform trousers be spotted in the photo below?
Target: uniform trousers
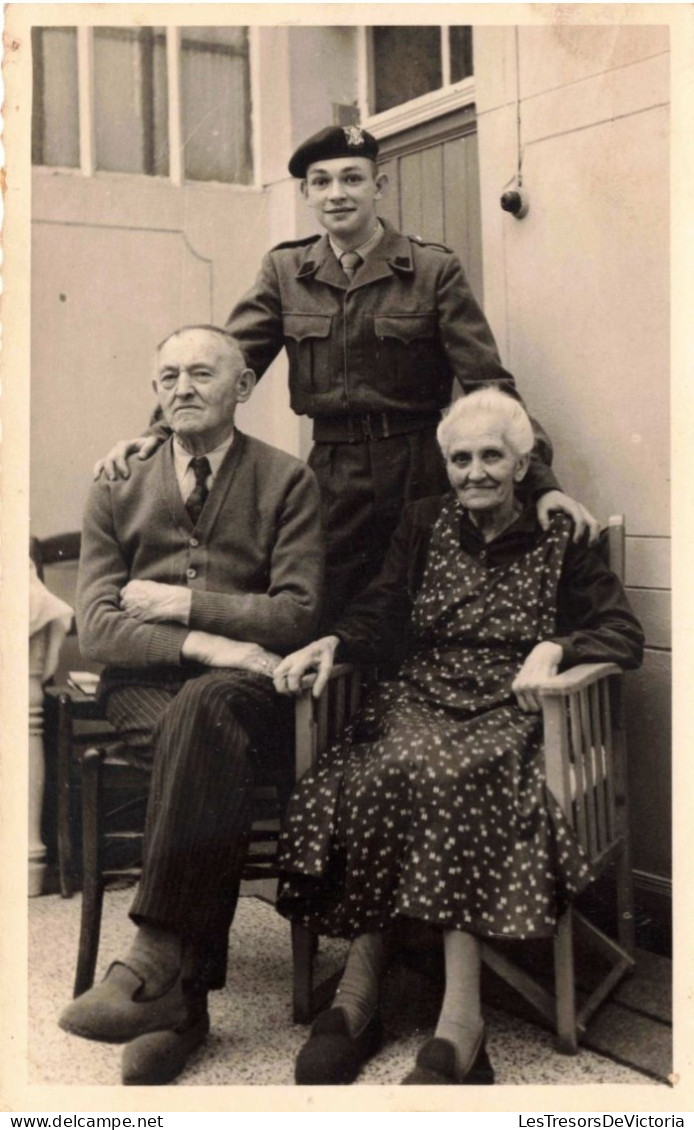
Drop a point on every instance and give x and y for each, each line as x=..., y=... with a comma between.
x=364, y=487
x=207, y=738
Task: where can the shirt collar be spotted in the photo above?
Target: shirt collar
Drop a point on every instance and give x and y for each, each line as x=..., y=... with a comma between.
x=182, y=457
x=365, y=248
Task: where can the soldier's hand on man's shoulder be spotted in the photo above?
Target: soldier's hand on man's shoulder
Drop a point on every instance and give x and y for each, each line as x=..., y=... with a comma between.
x=115, y=464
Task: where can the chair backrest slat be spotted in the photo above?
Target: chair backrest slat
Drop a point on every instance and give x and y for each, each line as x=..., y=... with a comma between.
x=340, y=705
x=557, y=755
x=588, y=770
x=606, y=719
x=616, y=545
x=599, y=769
x=322, y=721
x=576, y=756
x=60, y=548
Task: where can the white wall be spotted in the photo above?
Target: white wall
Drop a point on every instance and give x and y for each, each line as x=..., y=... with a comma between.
x=118, y=261
x=323, y=63
x=578, y=290
x=578, y=295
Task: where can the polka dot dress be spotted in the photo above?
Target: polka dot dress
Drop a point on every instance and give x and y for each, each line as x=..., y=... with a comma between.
x=433, y=806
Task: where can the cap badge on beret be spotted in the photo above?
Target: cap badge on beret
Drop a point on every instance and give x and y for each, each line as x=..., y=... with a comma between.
x=333, y=141
x=354, y=135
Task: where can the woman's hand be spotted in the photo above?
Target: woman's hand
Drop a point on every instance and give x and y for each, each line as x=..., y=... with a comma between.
x=218, y=651
x=115, y=464
x=542, y=662
x=318, y=655
x=582, y=519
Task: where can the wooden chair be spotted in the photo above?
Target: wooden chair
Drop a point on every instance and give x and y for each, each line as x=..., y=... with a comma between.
x=585, y=770
x=70, y=717
x=92, y=765
x=318, y=723
x=114, y=801
x=74, y=721
x=585, y=765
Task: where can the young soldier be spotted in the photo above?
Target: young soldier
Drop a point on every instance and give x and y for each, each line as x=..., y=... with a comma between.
x=377, y=327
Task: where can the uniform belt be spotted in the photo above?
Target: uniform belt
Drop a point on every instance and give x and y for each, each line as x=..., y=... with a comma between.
x=371, y=425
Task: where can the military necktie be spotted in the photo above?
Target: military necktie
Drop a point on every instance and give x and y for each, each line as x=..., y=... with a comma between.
x=350, y=261
x=196, y=499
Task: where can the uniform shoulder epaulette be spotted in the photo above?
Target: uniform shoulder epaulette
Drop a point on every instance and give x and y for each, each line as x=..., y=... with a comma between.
x=424, y=243
x=305, y=242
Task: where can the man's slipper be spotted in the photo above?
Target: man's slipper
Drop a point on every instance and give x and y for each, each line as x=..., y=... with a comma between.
x=118, y=1010
x=159, y=1057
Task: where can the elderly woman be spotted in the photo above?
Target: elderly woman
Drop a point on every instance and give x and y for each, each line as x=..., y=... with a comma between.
x=434, y=807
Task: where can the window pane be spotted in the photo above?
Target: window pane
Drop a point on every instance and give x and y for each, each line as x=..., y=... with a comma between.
x=226, y=36
x=215, y=95
x=460, y=42
x=55, y=114
x=406, y=62
x=131, y=103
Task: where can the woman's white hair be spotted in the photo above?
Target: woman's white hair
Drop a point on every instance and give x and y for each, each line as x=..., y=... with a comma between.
x=503, y=411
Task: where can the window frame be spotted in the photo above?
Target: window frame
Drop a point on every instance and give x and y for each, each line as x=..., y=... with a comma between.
x=449, y=96
x=176, y=175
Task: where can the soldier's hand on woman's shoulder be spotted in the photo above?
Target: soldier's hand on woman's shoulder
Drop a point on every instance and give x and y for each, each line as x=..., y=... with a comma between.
x=582, y=518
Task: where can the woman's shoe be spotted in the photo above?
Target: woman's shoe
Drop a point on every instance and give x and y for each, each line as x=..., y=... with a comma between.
x=331, y=1055
x=437, y=1065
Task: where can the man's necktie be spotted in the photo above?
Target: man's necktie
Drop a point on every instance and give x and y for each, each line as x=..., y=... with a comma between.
x=350, y=261
x=196, y=499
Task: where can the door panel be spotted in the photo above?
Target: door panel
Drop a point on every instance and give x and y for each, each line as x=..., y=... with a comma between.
x=433, y=188
x=463, y=225
x=432, y=194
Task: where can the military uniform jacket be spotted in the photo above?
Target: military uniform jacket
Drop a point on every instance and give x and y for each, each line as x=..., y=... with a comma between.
x=391, y=340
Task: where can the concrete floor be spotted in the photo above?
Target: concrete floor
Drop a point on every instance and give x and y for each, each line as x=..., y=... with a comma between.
x=253, y=1040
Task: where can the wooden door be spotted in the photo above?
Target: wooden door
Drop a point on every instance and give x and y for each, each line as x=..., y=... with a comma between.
x=434, y=187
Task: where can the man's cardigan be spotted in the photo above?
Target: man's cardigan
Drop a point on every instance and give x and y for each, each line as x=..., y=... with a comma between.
x=254, y=561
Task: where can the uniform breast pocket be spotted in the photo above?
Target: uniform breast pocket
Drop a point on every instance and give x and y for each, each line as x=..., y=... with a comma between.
x=405, y=328
x=307, y=340
x=406, y=346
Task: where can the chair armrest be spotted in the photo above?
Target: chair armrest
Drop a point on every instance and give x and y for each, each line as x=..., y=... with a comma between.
x=576, y=739
x=337, y=672
x=577, y=678
x=319, y=721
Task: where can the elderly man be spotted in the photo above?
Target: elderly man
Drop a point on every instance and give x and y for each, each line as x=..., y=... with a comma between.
x=197, y=573
x=377, y=326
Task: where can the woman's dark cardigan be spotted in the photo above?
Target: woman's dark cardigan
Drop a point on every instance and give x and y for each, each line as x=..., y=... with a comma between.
x=595, y=623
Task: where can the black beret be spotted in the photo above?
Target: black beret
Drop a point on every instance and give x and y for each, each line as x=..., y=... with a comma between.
x=335, y=141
